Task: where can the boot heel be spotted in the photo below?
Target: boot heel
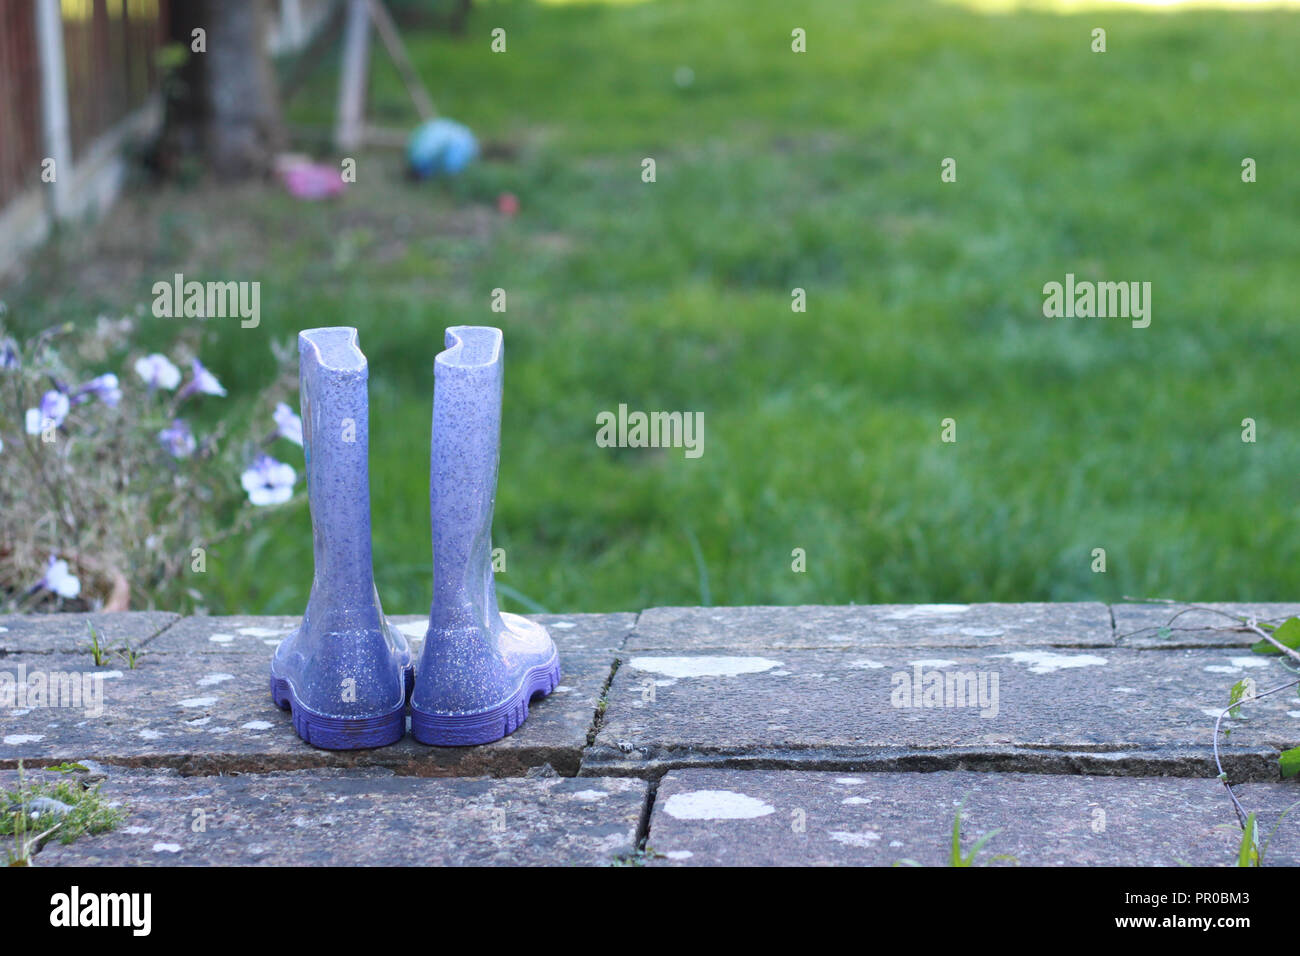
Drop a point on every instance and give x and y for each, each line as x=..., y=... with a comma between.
x=339, y=733
x=466, y=730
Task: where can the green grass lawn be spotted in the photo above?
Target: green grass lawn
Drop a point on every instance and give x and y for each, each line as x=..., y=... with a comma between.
x=822, y=429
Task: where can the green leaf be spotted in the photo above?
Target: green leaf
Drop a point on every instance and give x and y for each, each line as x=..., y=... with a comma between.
x=1289, y=760
x=955, y=858
x=1248, y=851
x=979, y=845
x=1287, y=634
x=1239, y=692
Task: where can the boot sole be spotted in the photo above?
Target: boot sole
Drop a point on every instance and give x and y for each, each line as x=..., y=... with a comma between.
x=466, y=730
x=344, y=733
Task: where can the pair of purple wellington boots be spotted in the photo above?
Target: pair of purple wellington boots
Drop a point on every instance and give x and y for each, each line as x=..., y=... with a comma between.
x=347, y=673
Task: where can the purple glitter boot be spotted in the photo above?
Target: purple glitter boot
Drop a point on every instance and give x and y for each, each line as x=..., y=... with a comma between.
x=479, y=668
x=346, y=672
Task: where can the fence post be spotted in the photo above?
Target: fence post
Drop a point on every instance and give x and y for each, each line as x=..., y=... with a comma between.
x=291, y=32
x=352, y=86
x=54, y=104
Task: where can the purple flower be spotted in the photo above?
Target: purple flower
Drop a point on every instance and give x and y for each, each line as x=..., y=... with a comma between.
x=287, y=424
x=203, y=381
x=268, y=482
x=59, y=579
x=54, y=409
x=178, y=439
x=104, y=387
x=158, y=372
x=9, y=354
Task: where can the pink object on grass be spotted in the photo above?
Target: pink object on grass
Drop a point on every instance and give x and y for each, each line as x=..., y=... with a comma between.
x=311, y=180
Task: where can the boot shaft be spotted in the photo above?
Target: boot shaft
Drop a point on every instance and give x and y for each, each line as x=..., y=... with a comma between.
x=344, y=672
x=333, y=379
x=463, y=476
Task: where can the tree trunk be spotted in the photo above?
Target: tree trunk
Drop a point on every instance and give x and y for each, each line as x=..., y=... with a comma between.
x=222, y=106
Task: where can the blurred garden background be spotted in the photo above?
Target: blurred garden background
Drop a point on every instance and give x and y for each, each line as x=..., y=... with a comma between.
x=778, y=170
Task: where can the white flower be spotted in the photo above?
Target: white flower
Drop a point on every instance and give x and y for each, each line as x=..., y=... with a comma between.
x=59, y=579
x=158, y=372
x=287, y=424
x=268, y=482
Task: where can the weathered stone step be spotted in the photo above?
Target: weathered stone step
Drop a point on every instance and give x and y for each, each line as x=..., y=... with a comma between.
x=1044, y=709
x=199, y=700
x=357, y=818
x=873, y=625
x=810, y=688
x=67, y=633
x=783, y=818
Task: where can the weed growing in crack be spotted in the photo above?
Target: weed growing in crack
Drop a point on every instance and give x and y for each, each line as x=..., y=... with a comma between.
x=98, y=650
x=955, y=855
x=39, y=810
x=603, y=703
x=101, y=652
x=1276, y=638
x=638, y=857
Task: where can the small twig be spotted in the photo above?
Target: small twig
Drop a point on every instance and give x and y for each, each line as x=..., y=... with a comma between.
x=1251, y=625
x=1289, y=652
x=37, y=840
x=1223, y=776
x=1239, y=618
x=1247, y=624
x=392, y=39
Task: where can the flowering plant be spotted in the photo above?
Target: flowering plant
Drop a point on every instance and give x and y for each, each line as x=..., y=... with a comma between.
x=111, y=488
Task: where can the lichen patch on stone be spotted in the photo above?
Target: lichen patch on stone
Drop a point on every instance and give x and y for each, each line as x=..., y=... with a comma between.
x=715, y=805
x=1045, y=662
x=928, y=610
x=862, y=840
x=703, y=666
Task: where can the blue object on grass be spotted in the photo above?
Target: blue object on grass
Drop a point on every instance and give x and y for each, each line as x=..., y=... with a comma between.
x=440, y=147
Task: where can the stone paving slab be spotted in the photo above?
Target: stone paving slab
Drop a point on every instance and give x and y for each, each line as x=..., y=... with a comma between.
x=67, y=633
x=783, y=818
x=1100, y=710
x=358, y=818
x=260, y=635
x=211, y=712
x=1139, y=625
x=873, y=625
x=205, y=634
